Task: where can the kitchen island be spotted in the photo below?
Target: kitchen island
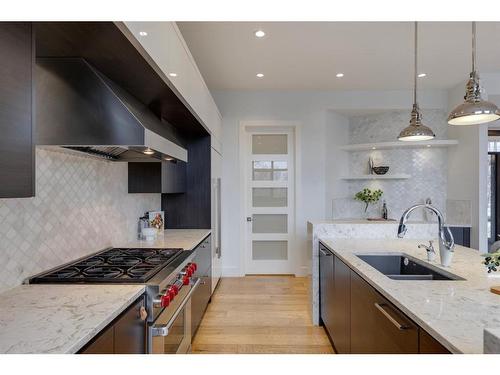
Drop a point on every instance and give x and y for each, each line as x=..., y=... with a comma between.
x=365, y=229
x=455, y=313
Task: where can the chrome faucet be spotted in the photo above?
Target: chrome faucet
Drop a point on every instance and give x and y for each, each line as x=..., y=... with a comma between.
x=446, y=246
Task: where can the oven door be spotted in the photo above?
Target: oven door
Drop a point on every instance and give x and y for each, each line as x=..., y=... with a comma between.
x=170, y=333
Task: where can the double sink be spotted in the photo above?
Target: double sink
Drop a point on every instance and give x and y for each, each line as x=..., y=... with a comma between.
x=401, y=266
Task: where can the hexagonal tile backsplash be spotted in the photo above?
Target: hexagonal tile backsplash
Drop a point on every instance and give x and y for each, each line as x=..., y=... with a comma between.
x=81, y=206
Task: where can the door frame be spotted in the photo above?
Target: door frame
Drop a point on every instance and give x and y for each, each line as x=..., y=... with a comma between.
x=294, y=126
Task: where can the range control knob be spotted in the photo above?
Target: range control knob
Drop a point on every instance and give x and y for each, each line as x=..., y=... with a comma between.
x=171, y=293
x=185, y=280
x=195, y=267
x=175, y=288
x=165, y=300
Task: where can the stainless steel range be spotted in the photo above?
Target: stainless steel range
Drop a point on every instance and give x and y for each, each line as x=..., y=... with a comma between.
x=167, y=275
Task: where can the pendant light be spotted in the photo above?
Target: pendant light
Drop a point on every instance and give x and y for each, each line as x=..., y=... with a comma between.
x=416, y=131
x=474, y=110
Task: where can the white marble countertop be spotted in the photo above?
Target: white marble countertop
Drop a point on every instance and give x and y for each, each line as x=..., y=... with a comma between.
x=186, y=239
x=63, y=318
x=453, y=312
x=59, y=318
x=379, y=222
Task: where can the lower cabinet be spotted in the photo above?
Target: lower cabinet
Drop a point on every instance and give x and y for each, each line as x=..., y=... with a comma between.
x=125, y=335
x=461, y=235
x=360, y=320
x=376, y=325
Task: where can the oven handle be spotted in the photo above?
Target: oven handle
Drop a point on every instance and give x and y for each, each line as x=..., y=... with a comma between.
x=162, y=329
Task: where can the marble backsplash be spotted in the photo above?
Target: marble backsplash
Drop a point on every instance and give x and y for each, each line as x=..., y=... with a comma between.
x=426, y=166
x=81, y=206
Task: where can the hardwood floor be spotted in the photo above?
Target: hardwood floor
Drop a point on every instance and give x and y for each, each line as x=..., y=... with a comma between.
x=260, y=314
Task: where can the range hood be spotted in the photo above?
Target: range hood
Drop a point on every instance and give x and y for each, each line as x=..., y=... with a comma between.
x=81, y=110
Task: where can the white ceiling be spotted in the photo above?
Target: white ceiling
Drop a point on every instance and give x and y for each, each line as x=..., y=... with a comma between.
x=307, y=55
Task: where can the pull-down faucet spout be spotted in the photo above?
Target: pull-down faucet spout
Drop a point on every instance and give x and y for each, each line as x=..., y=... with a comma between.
x=446, y=240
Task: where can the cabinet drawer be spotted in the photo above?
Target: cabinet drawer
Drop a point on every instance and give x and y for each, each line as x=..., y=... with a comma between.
x=377, y=326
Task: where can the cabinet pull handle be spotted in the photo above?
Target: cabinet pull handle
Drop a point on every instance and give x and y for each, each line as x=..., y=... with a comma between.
x=325, y=253
x=398, y=325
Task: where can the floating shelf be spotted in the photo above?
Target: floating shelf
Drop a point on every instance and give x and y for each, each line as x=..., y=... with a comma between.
x=399, y=176
x=399, y=144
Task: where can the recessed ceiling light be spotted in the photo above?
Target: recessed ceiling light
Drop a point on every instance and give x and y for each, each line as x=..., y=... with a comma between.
x=339, y=75
x=374, y=148
x=428, y=145
x=172, y=74
x=168, y=158
x=260, y=75
x=148, y=151
x=260, y=34
x=422, y=75
x=143, y=33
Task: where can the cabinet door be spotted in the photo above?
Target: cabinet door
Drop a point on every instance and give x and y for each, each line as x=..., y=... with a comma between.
x=102, y=344
x=16, y=146
x=429, y=345
x=326, y=264
x=130, y=331
x=377, y=326
x=341, y=307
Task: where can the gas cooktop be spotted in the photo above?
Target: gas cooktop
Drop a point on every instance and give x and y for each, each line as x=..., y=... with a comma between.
x=116, y=265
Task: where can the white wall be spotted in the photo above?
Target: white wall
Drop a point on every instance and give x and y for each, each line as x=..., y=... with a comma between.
x=467, y=170
x=337, y=134
x=320, y=162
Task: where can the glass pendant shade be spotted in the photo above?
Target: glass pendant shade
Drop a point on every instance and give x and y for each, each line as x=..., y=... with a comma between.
x=416, y=131
x=474, y=110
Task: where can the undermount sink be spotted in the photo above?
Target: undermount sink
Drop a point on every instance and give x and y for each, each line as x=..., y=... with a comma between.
x=405, y=267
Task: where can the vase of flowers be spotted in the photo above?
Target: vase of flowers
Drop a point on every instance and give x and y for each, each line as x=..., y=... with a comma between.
x=368, y=197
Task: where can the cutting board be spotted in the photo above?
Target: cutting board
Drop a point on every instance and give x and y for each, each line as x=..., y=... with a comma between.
x=495, y=289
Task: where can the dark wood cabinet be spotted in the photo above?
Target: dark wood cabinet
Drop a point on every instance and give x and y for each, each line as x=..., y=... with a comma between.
x=341, y=307
x=17, y=167
x=335, y=299
x=326, y=289
x=157, y=177
x=102, y=344
x=429, y=345
x=461, y=235
x=201, y=297
x=125, y=335
x=377, y=326
x=360, y=320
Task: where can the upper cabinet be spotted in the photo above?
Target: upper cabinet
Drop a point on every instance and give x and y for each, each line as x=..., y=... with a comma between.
x=17, y=173
x=165, y=45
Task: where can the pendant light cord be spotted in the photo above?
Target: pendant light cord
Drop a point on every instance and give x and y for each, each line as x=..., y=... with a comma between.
x=415, y=67
x=473, y=46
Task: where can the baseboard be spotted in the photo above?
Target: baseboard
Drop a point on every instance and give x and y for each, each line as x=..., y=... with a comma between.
x=303, y=271
x=232, y=272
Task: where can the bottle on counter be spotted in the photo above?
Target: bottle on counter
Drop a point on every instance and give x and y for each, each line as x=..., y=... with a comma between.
x=384, y=210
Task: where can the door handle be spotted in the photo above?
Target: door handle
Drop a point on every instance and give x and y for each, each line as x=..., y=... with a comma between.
x=325, y=253
x=249, y=218
x=380, y=307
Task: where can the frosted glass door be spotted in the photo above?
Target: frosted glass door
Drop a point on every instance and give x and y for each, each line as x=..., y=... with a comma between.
x=269, y=203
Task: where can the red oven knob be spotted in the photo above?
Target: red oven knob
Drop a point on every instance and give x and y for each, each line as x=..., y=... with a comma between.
x=165, y=300
x=185, y=280
x=175, y=288
x=171, y=293
x=195, y=267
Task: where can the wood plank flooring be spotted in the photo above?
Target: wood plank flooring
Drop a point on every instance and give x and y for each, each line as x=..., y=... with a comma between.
x=260, y=314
